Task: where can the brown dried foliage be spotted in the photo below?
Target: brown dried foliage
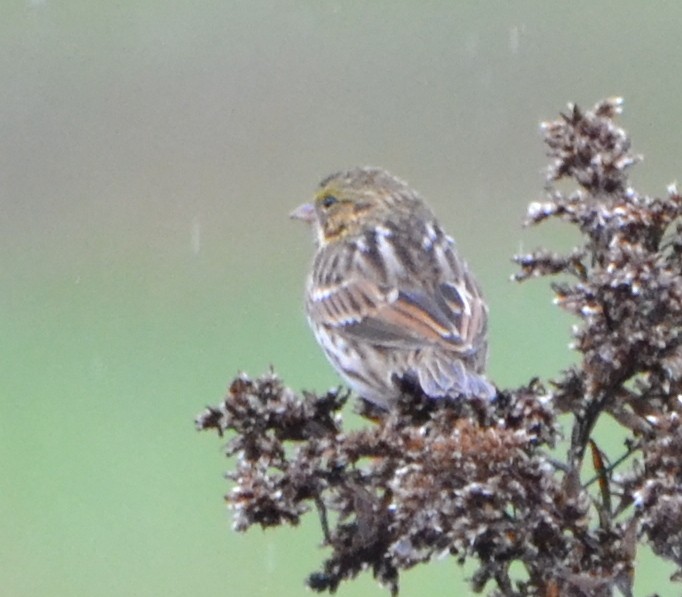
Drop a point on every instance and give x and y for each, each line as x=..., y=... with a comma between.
x=476, y=479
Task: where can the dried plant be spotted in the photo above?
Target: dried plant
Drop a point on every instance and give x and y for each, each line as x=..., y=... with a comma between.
x=479, y=479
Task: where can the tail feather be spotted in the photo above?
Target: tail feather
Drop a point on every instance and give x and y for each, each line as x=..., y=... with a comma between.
x=439, y=378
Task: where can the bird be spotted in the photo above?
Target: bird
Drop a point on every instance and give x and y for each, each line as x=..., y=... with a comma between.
x=388, y=298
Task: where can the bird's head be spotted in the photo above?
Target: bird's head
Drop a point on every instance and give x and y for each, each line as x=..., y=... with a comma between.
x=349, y=202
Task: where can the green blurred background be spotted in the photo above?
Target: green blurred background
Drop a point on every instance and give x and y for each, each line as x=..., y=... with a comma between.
x=151, y=154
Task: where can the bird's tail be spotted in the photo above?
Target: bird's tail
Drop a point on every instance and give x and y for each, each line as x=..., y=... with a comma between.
x=440, y=377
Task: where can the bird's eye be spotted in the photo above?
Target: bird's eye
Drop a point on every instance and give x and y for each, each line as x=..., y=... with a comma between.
x=328, y=201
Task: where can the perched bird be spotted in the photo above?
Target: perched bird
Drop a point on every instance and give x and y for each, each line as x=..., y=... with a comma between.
x=388, y=298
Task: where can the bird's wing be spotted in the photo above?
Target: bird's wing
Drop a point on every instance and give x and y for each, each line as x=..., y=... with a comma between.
x=451, y=316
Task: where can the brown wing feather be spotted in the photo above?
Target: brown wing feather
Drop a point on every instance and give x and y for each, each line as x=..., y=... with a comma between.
x=396, y=317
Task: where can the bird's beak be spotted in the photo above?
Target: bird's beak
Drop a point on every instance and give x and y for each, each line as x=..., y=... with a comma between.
x=305, y=212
